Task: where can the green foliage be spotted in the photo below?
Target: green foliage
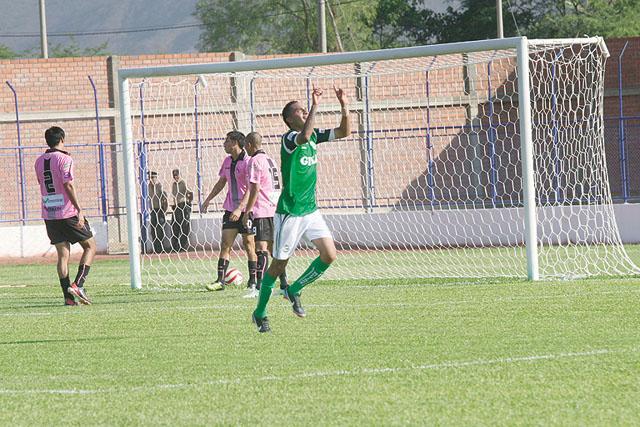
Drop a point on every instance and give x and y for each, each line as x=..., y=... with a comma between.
x=6, y=53
x=391, y=21
x=408, y=22
x=72, y=49
x=595, y=17
x=273, y=26
x=67, y=50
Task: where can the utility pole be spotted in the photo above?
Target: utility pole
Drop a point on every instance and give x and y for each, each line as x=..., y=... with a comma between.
x=322, y=27
x=43, y=30
x=499, y=18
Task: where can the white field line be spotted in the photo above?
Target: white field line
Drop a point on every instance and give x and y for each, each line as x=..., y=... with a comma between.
x=326, y=374
x=279, y=302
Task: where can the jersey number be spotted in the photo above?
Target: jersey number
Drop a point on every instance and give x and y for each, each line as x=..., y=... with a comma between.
x=48, y=177
x=275, y=176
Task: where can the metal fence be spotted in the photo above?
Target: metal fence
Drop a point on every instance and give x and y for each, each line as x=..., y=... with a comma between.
x=19, y=201
x=20, y=198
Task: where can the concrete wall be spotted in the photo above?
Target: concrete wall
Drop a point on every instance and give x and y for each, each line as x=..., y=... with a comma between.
x=484, y=227
x=32, y=241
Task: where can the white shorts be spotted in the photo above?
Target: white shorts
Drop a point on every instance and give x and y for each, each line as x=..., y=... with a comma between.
x=290, y=229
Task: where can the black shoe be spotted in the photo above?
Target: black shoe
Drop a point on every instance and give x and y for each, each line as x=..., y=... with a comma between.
x=296, y=305
x=261, y=324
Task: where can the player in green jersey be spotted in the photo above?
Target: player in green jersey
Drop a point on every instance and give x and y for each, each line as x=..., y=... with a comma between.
x=297, y=213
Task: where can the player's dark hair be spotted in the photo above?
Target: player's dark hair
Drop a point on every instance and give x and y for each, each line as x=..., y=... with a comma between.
x=237, y=136
x=255, y=138
x=287, y=111
x=53, y=136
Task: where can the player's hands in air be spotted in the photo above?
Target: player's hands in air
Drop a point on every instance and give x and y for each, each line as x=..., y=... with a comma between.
x=235, y=215
x=341, y=95
x=315, y=95
x=81, y=220
x=205, y=206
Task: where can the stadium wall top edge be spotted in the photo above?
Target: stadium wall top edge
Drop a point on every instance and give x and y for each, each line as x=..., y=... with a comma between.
x=344, y=58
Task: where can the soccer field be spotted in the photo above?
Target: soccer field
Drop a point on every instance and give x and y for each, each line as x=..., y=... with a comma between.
x=455, y=352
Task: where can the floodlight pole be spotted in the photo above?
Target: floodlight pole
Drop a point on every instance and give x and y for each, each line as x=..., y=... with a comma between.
x=499, y=19
x=43, y=30
x=322, y=26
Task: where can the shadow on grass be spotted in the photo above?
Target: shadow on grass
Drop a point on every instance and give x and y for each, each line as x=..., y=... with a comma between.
x=118, y=298
x=94, y=339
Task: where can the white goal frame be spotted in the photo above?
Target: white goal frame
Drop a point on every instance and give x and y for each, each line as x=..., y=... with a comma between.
x=520, y=44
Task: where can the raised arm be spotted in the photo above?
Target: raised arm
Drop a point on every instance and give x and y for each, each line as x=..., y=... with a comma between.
x=304, y=136
x=344, y=129
x=216, y=189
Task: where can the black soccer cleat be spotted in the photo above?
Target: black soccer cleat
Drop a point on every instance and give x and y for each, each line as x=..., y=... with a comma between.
x=296, y=305
x=261, y=324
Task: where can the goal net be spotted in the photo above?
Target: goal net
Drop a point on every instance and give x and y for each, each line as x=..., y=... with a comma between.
x=450, y=169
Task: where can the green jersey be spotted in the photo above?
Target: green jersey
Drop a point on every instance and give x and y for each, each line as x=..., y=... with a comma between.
x=299, y=172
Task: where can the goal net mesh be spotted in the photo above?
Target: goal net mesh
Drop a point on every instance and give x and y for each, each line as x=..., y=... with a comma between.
x=428, y=184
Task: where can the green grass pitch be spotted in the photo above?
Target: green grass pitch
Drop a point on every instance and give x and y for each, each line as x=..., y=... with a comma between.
x=404, y=352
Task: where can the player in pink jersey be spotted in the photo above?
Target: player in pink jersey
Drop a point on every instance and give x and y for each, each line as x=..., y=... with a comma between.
x=264, y=190
x=62, y=215
x=234, y=173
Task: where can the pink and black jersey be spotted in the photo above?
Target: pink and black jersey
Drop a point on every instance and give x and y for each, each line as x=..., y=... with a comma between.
x=54, y=168
x=263, y=170
x=235, y=172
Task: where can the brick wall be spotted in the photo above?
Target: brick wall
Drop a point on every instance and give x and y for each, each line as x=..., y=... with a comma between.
x=58, y=91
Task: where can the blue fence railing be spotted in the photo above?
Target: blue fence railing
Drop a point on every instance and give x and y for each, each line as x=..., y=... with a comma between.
x=622, y=145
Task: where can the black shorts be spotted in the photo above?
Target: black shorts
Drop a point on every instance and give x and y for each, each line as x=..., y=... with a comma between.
x=227, y=224
x=65, y=230
x=263, y=229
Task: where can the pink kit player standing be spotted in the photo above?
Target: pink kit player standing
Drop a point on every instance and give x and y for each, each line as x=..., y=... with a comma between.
x=233, y=173
x=264, y=191
x=62, y=215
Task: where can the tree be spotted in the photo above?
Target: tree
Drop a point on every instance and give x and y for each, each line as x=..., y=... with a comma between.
x=6, y=53
x=576, y=18
x=276, y=26
x=390, y=22
x=72, y=49
x=409, y=22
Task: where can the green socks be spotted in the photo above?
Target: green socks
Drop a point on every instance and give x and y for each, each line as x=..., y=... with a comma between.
x=268, y=281
x=314, y=271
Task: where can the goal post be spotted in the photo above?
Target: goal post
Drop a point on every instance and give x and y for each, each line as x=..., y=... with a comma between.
x=133, y=223
x=526, y=147
x=472, y=159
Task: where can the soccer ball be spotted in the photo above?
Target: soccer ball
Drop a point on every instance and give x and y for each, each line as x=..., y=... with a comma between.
x=233, y=277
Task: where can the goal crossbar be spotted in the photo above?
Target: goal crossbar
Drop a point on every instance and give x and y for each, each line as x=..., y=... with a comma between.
x=342, y=58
